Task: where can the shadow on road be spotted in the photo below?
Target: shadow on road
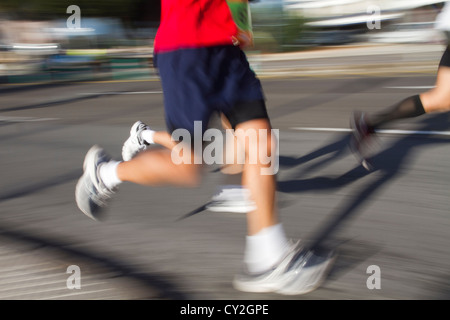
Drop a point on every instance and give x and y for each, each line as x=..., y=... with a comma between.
x=388, y=164
x=151, y=282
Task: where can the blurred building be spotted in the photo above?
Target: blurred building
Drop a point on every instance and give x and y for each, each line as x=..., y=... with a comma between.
x=329, y=13
x=338, y=22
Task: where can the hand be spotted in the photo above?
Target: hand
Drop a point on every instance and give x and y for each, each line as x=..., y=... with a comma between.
x=243, y=39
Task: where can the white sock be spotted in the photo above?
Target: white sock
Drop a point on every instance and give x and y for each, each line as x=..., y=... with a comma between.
x=108, y=174
x=265, y=249
x=147, y=135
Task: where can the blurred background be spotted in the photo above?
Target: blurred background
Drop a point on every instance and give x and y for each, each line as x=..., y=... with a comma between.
x=116, y=36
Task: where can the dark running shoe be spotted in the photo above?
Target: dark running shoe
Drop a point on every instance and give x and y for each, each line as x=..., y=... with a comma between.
x=362, y=143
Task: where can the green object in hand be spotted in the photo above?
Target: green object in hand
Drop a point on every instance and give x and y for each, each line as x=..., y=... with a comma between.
x=241, y=14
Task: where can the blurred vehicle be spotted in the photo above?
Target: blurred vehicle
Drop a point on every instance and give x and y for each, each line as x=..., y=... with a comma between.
x=73, y=61
x=34, y=49
x=417, y=32
x=325, y=38
x=85, y=48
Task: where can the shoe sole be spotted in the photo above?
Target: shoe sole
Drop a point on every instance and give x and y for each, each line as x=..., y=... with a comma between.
x=254, y=288
x=324, y=274
x=232, y=210
x=89, y=158
x=285, y=288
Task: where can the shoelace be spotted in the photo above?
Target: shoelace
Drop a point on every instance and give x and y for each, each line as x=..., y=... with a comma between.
x=140, y=141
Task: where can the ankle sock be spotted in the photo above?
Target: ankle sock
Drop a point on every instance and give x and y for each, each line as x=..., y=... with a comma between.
x=147, y=136
x=108, y=174
x=265, y=249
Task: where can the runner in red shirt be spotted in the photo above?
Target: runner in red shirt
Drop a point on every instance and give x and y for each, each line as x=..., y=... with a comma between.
x=203, y=72
x=194, y=24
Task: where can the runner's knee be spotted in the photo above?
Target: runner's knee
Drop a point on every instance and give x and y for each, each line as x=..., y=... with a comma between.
x=436, y=100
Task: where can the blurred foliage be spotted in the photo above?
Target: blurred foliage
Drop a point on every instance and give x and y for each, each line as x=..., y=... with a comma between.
x=129, y=11
x=275, y=29
x=292, y=30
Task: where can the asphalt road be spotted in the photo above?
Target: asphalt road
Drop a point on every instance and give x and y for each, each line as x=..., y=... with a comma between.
x=395, y=218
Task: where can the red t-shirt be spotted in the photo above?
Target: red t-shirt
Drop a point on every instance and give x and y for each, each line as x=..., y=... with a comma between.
x=193, y=24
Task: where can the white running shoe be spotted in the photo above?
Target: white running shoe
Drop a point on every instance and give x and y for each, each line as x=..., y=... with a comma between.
x=91, y=194
x=232, y=198
x=301, y=271
x=135, y=144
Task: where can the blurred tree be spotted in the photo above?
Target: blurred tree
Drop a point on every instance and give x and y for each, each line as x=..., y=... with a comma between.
x=128, y=11
x=276, y=29
x=291, y=31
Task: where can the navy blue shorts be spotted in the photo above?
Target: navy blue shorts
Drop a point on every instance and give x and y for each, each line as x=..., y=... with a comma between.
x=201, y=81
x=445, y=60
